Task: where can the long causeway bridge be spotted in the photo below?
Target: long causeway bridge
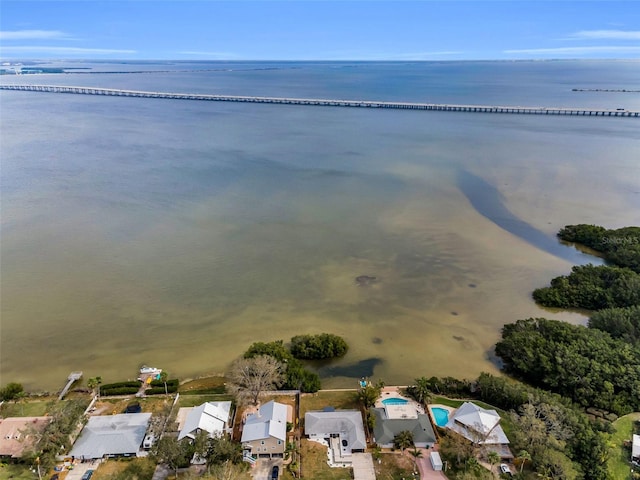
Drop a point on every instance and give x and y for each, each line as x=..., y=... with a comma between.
x=327, y=102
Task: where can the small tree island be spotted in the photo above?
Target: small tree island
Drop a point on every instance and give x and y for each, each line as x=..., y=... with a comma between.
x=316, y=347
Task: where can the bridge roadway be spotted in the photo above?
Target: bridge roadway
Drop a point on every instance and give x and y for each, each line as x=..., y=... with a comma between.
x=327, y=102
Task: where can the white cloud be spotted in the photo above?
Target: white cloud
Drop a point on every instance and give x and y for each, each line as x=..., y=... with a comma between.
x=32, y=35
x=577, y=50
x=36, y=50
x=607, y=35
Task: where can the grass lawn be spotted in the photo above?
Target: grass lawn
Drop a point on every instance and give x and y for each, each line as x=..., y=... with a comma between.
x=203, y=385
x=195, y=400
x=394, y=466
x=16, y=472
x=618, y=464
x=26, y=408
x=449, y=402
x=135, y=468
x=342, y=400
x=314, y=463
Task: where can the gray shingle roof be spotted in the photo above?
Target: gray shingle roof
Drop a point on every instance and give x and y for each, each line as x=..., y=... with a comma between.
x=346, y=422
x=386, y=429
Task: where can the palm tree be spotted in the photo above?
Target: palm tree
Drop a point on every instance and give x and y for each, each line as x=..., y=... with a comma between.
x=416, y=454
x=94, y=383
x=493, y=458
x=523, y=457
x=20, y=398
x=420, y=390
x=403, y=440
x=473, y=465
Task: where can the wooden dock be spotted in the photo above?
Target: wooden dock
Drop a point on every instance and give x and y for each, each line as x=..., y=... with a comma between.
x=617, y=112
x=71, y=379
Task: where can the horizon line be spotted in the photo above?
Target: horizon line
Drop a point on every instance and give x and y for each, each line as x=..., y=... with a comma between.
x=422, y=60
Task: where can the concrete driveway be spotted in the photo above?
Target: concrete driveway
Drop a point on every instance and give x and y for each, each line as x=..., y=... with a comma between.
x=262, y=468
x=79, y=469
x=425, y=468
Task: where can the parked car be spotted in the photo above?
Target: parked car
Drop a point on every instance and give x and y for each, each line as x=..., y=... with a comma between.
x=87, y=475
x=148, y=441
x=275, y=472
x=504, y=469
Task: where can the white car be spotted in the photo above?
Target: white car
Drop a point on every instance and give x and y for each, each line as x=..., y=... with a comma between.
x=504, y=468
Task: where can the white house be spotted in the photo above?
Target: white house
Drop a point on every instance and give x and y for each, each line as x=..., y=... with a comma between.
x=211, y=417
x=342, y=428
x=481, y=427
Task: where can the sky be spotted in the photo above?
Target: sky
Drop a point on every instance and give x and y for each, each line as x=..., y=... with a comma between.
x=318, y=30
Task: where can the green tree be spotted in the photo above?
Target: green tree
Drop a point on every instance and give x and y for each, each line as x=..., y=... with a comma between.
x=20, y=399
x=94, y=384
x=416, y=454
x=313, y=347
x=11, y=391
x=493, y=458
x=222, y=450
x=169, y=451
x=66, y=417
x=420, y=390
x=522, y=458
x=296, y=376
x=368, y=394
x=403, y=440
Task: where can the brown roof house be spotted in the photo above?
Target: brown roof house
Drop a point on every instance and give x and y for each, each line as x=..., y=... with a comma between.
x=18, y=435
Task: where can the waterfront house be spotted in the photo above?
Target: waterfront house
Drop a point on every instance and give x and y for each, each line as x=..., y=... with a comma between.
x=392, y=419
x=481, y=427
x=210, y=417
x=112, y=436
x=264, y=434
x=342, y=429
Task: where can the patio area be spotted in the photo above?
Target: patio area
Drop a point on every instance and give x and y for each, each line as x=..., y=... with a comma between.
x=396, y=405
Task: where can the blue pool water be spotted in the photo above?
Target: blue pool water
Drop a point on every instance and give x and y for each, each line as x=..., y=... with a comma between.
x=440, y=415
x=395, y=401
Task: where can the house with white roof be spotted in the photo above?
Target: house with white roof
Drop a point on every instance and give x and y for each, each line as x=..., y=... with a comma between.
x=264, y=434
x=635, y=449
x=342, y=428
x=112, y=436
x=481, y=427
x=210, y=417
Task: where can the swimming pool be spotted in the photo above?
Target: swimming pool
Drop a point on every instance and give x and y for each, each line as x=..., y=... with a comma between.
x=440, y=415
x=395, y=401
